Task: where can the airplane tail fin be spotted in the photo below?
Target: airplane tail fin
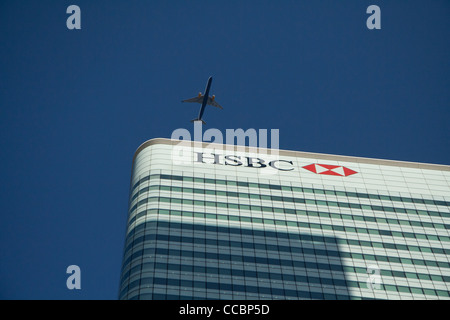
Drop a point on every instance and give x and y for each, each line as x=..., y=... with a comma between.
x=193, y=120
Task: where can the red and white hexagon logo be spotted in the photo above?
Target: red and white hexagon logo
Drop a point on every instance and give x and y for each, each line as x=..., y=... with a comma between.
x=328, y=169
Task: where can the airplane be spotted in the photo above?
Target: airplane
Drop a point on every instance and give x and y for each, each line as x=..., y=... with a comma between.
x=201, y=99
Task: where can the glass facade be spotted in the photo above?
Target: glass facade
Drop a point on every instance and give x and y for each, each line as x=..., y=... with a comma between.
x=221, y=223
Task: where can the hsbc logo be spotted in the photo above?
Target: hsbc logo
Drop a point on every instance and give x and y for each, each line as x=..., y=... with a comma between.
x=182, y=151
x=252, y=162
x=281, y=165
x=330, y=170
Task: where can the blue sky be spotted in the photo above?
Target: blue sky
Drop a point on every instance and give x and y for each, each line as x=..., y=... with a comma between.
x=75, y=105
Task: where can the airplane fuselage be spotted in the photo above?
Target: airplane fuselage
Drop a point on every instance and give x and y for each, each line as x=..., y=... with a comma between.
x=205, y=98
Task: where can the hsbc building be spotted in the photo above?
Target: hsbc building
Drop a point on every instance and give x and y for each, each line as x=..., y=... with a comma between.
x=210, y=221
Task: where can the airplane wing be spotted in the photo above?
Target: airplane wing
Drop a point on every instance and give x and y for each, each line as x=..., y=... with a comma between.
x=195, y=99
x=213, y=103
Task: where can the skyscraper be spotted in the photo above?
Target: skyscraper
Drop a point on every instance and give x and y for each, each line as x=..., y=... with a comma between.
x=210, y=221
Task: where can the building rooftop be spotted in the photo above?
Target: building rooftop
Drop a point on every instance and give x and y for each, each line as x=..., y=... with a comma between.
x=291, y=153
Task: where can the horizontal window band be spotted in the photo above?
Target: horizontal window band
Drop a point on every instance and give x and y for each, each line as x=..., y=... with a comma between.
x=289, y=188
x=149, y=282
x=316, y=280
x=139, y=254
x=302, y=237
x=293, y=211
x=276, y=248
x=381, y=232
x=221, y=271
x=365, y=257
x=232, y=244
